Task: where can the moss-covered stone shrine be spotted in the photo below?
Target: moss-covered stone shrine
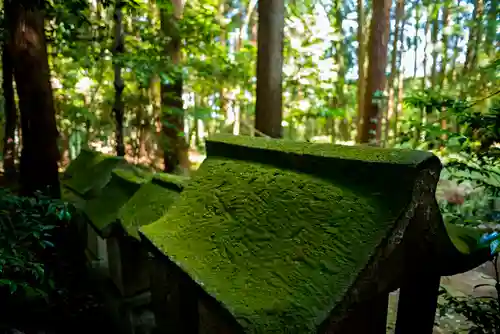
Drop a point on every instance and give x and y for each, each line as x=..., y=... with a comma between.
x=272, y=236
x=117, y=198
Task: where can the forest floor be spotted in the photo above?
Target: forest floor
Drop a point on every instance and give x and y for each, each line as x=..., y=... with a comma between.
x=458, y=285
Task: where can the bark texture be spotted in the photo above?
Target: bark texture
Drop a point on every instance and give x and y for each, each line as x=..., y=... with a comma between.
x=376, y=80
x=28, y=50
x=269, y=101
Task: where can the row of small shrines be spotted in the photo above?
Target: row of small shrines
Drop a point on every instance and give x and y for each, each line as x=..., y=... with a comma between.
x=270, y=236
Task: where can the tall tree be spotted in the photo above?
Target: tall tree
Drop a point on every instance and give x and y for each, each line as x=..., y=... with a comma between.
x=427, y=28
x=28, y=50
x=118, y=49
x=9, y=147
x=491, y=29
x=394, y=62
x=401, y=69
x=475, y=36
x=269, y=100
x=175, y=150
x=418, y=15
x=361, y=64
x=445, y=41
x=377, y=62
x=340, y=54
x=434, y=39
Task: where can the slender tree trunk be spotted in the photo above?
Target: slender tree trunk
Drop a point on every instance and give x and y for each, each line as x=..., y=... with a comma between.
x=445, y=40
x=475, y=33
x=434, y=40
x=426, y=48
x=9, y=146
x=175, y=153
x=28, y=50
x=491, y=41
x=415, y=39
x=269, y=101
x=377, y=55
x=400, y=6
x=118, y=49
x=224, y=105
x=340, y=54
x=452, y=72
x=401, y=69
x=361, y=66
x=246, y=22
x=238, y=110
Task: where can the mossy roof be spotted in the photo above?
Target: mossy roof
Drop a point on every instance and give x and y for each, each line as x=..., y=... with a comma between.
x=72, y=197
x=93, y=176
x=149, y=203
x=85, y=159
x=362, y=153
x=102, y=211
x=276, y=245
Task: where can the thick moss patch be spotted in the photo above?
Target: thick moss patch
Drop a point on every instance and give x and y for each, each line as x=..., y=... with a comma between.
x=85, y=159
x=278, y=248
x=93, y=177
x=465, y=239
x=169, y=180
x=147, y=205
x=72, y=197
x=102, y=211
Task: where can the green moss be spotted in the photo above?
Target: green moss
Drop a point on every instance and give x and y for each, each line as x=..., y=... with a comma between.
x=147, y=205
x=364, y=153
x=94, y=176
x=278, y=248
x=85, y=159
x=71, y=197
x=170, y=179
x=103, y=210
x=133, y=173
x=465, y=239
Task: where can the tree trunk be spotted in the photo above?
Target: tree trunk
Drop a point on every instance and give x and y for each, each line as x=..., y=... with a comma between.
x=400, y=7
x=269, y=100
x=340, y=54
x=377, y=62
x=224, y=105
x=445, y=39
x=246, y=22
x=452, y=71
x=118, y=49
x=175, y=150
x=491, y=42
x=401, y=69
x=28, y=50
x=361, y=66
x=426, y=47
x=9, y=147
x=475, y=33
x=434, y=40
x=415, y=39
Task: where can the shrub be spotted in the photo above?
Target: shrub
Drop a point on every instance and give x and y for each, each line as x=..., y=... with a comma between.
x=26, y=226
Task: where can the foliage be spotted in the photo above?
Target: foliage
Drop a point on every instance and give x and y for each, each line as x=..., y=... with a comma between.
x=26, y=226
x=470, y=156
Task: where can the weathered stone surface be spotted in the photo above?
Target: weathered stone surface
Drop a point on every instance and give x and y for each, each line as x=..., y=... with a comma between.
x=278, y=231
x=150, y=202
